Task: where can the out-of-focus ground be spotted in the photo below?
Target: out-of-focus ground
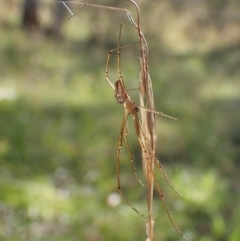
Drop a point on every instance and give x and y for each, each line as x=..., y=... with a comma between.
x=60, y=122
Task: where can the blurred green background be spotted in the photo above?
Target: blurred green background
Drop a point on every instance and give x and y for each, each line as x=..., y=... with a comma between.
x=59, y=122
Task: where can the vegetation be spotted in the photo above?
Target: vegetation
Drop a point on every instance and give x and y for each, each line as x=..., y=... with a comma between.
x=60, y=122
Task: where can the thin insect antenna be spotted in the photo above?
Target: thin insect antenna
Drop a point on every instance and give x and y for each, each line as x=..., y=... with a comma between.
x=106, y=72
x=118, y=50
x=111, y=9
x=135, y=118
x=165, y=176
x=118, y=58
x=133, y=89
x=73, y=14
x=163, y=199
x=66, y=6
x=130, y=156
x=165, y=203
x=166, y=206
x=125, y=199
x=157, y=112
x=108, y=58
x=124, y=122
x=130, y=18
x=140, y=131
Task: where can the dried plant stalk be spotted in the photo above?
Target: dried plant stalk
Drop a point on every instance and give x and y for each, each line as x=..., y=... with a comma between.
x=148, y=122
x=146, y=129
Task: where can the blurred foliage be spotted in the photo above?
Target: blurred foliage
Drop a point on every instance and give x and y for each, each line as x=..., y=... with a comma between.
x=59, y=123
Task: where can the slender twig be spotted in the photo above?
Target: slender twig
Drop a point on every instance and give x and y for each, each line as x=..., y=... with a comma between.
x=146, y=129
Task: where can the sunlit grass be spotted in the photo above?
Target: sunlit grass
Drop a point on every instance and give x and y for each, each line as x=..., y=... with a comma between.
x=60, y=125
x=226, y=89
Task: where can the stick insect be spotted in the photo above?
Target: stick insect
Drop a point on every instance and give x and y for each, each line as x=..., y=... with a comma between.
x=131, y=108
x=146, y=135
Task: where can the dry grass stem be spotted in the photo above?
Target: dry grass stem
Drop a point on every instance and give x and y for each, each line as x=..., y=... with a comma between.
x=146, y=128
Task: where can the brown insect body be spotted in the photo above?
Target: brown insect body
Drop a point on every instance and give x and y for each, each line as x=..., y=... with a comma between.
x=146, y=128
x=123, y=98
